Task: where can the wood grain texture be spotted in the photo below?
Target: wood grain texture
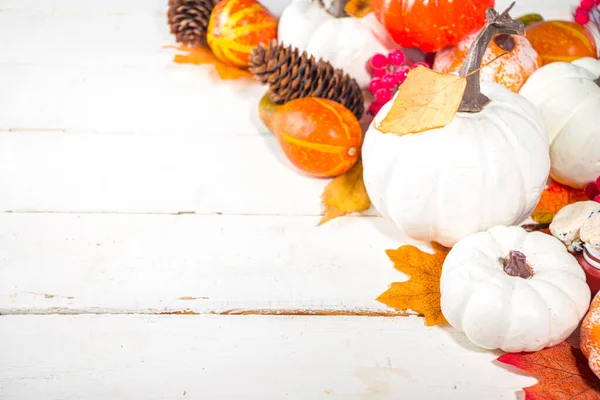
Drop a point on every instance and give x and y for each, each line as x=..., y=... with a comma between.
x=104, y=263
x=243, y=357
x=54, y=171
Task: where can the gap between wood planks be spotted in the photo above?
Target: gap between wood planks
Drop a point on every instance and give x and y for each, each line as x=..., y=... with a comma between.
x=187, y=312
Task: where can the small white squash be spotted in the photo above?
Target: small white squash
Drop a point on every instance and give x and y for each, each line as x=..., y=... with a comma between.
x=567, y=225
x=513, y=290
x=346, y=42
x=568, y=97
x=483, y=169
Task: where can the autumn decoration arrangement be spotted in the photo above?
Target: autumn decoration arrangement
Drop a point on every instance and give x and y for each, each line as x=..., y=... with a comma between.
x=475, y=123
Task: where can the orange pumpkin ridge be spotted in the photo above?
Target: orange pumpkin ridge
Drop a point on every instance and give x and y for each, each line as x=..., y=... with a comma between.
x=236, y=27
x=561, y=41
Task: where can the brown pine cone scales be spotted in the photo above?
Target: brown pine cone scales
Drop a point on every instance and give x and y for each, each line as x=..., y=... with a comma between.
x=291, y=75
x=189, y=20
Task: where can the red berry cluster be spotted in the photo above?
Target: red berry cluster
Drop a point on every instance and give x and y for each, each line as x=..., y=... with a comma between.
x=588, y=9
x=592, y=190
x=388, y=74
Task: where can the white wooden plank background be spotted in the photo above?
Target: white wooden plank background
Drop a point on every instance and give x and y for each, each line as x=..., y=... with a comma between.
x=243, y=357
x=130, y=185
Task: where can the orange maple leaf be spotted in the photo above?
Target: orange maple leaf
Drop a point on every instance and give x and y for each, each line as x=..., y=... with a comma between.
x=421, y=293
x=345, y=194
x=562, y=372
x=203, y=55
x=555, y=197
x=358, y=8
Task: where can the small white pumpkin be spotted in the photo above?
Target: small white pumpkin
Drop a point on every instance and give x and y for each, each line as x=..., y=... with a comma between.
x=568, y=97
x=513, y=290
x=483, y=169
x=347, y=43
x=576, y=224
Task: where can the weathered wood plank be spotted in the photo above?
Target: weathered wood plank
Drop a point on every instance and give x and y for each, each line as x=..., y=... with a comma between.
x=102, y=263
x=250, y=357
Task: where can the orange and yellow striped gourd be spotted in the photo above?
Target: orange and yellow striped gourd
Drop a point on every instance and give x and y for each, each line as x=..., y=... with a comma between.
x=238, y=26
x=319, y=136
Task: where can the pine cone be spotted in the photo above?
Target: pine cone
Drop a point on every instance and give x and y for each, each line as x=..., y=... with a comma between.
x=291, y=75
x=189, y=20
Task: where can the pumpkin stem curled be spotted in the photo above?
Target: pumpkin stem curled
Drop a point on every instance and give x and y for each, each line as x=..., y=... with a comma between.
x=516, y=265
x=496, y=24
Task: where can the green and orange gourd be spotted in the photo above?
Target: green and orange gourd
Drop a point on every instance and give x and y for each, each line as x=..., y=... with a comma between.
x=319, y=136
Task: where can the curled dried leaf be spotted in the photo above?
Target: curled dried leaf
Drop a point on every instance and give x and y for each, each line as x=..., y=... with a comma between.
x=358, y=8
x=345, y=194
x=426, y=100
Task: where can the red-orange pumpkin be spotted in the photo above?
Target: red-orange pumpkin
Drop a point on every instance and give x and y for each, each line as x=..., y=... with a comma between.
x=319, y=136
x=430, y=25
x=238, y=26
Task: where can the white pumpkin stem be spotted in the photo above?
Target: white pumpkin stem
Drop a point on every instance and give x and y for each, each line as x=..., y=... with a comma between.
x=496, y=24
x=516, y=265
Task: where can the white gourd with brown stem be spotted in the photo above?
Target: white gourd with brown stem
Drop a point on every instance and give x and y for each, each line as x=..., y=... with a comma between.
x=487, y=167
x=324, y=30
x=513, y=290
x=568, y=98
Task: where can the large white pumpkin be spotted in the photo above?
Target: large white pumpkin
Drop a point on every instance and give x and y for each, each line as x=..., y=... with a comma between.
x=347, y=43
x=498, y=311
x=569, y=101
x=483, y=169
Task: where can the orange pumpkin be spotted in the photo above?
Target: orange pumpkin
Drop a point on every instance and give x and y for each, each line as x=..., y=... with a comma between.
x=430, y=25
x=561, y=41
x=510, y=70
x=590, y=336
x=319, y=136
x=238, y=26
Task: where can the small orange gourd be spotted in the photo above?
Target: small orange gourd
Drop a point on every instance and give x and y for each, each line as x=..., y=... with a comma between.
x=238, y=26
x=590, y=336
x=561, y=41
x=510, y=70
x=319, y=136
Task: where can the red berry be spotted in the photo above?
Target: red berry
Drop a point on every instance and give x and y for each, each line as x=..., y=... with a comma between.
x=374, y=108
x=396, y=57
x=401, y=74
x=379, y=72
x=597, y=199
x=587, y=4
x=598, y=183
x=375, y=85
x=420, y=63
x=379, y=61
x=388, y=81
x=581, y=17
x=383, y=96
x=591, y=190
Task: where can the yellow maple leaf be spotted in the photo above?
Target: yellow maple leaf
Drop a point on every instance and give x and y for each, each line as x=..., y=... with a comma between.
x=421, y=293
x=358, y=8
x=345, y=194
x=426, y=100
x=203, y=55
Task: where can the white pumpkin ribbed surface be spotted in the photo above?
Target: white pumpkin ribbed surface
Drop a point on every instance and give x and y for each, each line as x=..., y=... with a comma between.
x=499, y=311
x=481, y=170
x=298, y=21
x=569, y=101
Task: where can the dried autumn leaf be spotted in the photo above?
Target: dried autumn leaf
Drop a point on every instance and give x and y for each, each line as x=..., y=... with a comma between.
x=562, y=372
x=555, y=197
x=426, y=100
x=345, y=194
x=358, y=8
x=203, y=55
x=421, y=293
